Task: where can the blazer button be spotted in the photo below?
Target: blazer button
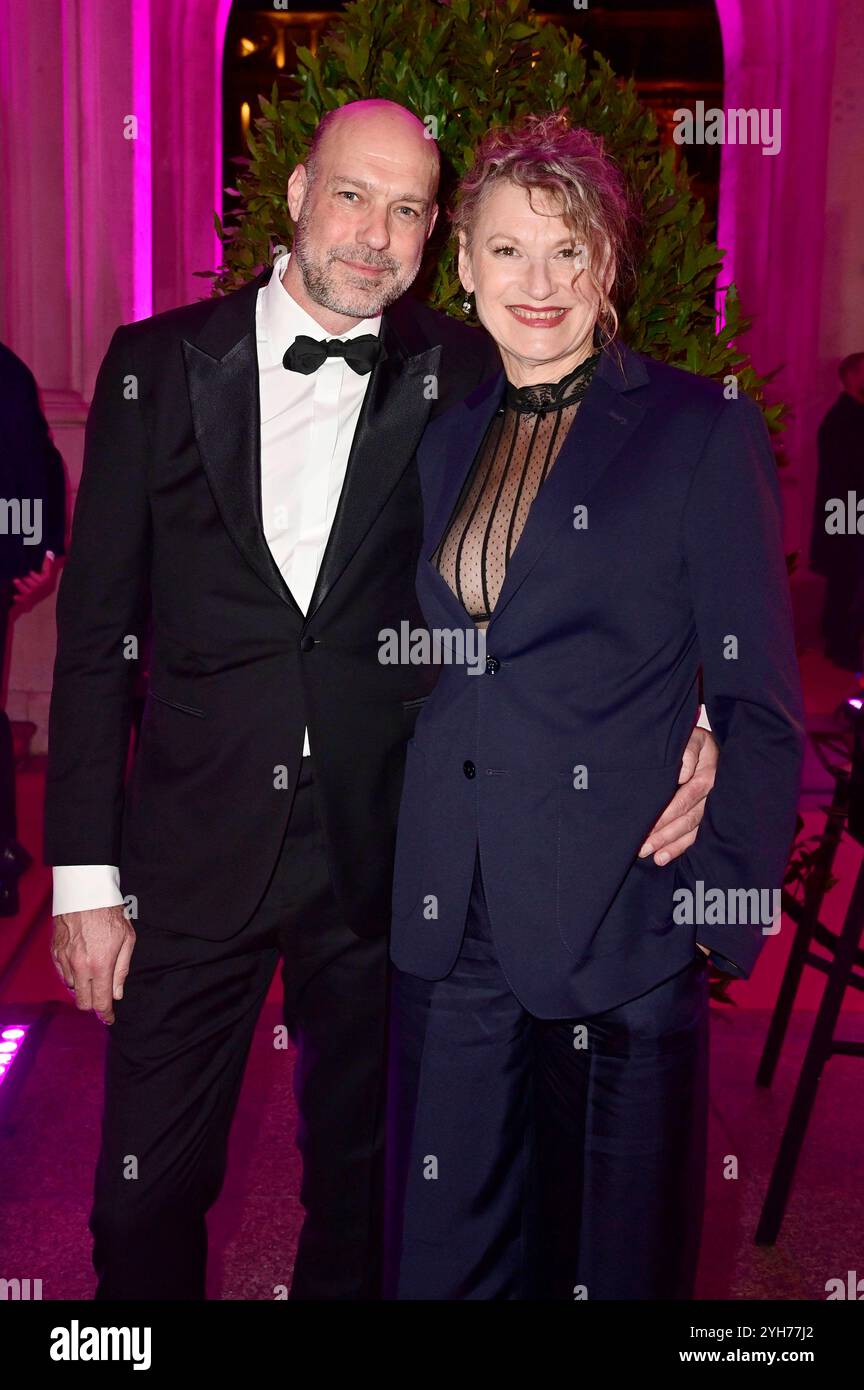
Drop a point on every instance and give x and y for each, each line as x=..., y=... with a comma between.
x=469, y=769
x=492, y=665
x=307, y=643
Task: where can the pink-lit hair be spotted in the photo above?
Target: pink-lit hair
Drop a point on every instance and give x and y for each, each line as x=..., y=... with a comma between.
x=570, y=165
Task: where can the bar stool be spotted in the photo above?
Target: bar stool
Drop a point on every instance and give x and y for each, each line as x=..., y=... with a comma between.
x=844, y=968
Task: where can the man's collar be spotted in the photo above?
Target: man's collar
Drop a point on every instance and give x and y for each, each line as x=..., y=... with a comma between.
x=281, y=319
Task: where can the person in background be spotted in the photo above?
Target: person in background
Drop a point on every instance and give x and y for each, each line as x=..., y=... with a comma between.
x=839, y=557
x=32, y=525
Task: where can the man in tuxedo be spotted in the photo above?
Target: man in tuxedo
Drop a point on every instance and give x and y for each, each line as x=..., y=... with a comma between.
x=249, y=487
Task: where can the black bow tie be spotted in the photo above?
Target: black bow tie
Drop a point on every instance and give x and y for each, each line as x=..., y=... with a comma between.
x=306, y=354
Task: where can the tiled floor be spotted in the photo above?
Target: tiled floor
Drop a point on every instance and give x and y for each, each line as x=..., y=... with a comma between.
x=47, y=1160
x=48, y=1145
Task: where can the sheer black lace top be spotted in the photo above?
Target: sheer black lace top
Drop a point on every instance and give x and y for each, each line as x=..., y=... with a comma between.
x=517, y=454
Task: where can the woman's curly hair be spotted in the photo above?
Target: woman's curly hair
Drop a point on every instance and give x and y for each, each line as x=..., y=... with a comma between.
x=571, y=166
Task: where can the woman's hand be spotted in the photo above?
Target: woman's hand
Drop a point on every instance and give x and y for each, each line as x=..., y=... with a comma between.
x=676, y=829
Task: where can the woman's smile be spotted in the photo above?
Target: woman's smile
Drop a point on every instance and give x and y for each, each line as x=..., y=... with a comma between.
x=538, y=318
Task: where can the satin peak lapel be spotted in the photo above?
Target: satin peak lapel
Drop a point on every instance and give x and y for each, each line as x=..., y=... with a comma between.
x=392, y=419
x=223, y=392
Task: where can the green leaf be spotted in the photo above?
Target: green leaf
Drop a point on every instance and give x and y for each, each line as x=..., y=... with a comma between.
x=308, y=60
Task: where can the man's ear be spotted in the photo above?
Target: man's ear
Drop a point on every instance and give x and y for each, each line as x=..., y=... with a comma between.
x=465, y=274
x=433, y=218
x=298, y=185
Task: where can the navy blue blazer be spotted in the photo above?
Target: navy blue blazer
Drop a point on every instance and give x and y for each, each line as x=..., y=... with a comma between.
x=653, y=549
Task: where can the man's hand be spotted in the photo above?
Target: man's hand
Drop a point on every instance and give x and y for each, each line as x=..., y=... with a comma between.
x=37, y=583
x=676, y=829
x=92, y=951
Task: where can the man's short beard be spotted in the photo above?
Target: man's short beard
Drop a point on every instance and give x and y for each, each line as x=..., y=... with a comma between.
x=321, y=284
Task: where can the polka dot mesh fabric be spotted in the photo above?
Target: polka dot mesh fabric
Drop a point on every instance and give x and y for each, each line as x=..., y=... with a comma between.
x=517, y=455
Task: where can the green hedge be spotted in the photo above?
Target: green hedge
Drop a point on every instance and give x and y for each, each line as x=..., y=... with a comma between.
x=470, y=65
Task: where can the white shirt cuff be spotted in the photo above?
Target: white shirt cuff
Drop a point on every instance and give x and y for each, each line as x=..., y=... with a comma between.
x=79, y=887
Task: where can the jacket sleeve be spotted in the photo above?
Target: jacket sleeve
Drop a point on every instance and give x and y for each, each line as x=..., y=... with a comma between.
x=739, y=590
x=101, y=614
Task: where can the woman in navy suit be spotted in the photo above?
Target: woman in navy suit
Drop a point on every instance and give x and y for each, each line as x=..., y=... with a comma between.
x=610, y=526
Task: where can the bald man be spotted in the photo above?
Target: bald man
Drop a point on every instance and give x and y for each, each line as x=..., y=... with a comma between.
x=250, y=492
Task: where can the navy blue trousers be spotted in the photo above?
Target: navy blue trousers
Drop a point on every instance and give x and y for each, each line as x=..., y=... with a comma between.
x=538, y=1159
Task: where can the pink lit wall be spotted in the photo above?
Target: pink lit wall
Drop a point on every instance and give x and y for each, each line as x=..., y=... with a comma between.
x=98, y=228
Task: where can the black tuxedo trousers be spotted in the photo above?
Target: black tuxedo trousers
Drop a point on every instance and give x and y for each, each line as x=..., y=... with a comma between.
x=175, y=1061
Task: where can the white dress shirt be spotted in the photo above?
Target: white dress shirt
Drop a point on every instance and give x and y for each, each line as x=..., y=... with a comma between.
x=307, y=428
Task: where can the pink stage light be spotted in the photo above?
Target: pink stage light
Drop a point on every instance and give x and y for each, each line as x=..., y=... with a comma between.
x=11, y=1043
x=142, y=184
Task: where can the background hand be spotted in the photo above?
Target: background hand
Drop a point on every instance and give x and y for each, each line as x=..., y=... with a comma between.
x=37, y=583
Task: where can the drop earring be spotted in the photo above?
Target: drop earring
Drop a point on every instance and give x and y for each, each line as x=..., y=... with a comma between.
x=466, y=305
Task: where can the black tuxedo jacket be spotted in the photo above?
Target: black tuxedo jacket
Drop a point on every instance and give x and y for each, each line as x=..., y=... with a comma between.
x=168, y=526
x=557, y=760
